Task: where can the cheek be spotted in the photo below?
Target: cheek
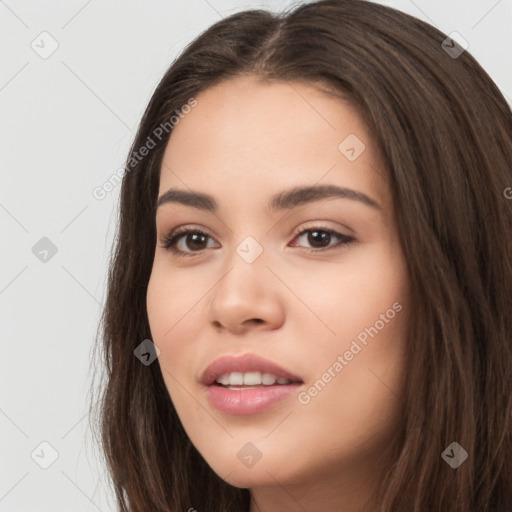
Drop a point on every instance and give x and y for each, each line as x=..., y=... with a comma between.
x=170, y=298
x=355, y=405
x=343, y=299
x=365, y=303
x=173, y=333
x=173, y=319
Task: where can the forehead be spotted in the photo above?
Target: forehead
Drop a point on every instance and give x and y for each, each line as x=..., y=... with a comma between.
x=248, y=139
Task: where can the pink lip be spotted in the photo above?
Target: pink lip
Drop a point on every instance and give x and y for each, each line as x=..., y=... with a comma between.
x=247, y=401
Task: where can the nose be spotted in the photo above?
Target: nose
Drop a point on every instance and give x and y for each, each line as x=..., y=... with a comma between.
x=247, y=297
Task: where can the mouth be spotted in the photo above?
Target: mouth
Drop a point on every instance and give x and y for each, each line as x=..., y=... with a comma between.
x=251, y=380
x=247, y=370
x=247, y=384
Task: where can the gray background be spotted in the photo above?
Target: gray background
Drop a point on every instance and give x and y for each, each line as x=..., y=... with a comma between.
x=66, y=123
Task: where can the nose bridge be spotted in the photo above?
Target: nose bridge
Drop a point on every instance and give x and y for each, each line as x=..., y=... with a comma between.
x=246, y=267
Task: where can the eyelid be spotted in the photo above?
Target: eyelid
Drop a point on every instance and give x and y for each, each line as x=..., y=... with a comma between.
x=321, y=225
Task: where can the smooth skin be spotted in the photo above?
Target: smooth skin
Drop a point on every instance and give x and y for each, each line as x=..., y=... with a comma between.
x=301, y=307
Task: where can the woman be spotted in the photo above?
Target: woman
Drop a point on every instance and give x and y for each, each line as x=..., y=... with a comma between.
x=309, y=301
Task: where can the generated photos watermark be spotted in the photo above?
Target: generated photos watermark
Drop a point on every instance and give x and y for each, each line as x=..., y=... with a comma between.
x=304, y=397
x=101, y=191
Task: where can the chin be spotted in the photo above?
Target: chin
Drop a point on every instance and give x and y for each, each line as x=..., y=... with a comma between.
x=262, y=474
x=246, y=478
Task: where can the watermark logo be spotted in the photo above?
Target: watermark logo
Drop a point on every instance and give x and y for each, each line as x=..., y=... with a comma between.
x=44, y=455
x=44, y=250
x=454, y=455
x=351, y=147
x=454, y=45
x=44, y=45
x=249, y=249
x=249, y=454
x=147, y=352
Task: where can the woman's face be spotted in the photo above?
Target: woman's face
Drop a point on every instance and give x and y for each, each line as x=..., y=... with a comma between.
x=314, y=282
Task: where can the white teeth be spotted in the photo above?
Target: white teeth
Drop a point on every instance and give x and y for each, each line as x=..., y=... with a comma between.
x=268, y=379
x=223, y=379
x=250, y=379
x=236, y=379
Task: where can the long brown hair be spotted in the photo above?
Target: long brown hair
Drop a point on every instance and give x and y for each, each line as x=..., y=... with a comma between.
x=445, y=131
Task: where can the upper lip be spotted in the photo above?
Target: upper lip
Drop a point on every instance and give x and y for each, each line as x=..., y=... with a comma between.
x=244, y=363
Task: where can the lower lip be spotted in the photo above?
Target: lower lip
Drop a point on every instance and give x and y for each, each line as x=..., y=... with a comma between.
x=249, y=401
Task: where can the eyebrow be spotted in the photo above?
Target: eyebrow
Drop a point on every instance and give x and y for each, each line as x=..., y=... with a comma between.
x=285, y=200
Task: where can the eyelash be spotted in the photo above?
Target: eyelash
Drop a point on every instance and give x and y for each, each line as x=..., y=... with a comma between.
x=169, y=241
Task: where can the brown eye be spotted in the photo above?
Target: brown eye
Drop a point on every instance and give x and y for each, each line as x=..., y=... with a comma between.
x=192, y=242
x=186, y=242
x=320, y=238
